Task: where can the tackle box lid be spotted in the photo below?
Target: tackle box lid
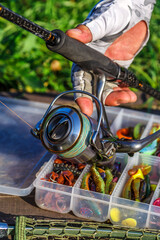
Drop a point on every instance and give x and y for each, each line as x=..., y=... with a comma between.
x=21, y=154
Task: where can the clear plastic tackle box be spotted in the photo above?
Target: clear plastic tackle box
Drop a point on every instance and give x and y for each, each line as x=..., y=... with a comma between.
x=99, y=207
x=28, y=162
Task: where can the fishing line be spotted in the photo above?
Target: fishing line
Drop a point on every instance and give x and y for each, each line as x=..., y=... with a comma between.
x=15, y=114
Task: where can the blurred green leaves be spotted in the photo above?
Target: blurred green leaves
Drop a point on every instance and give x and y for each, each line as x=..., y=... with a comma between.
x=147, y=64
x=26, y=63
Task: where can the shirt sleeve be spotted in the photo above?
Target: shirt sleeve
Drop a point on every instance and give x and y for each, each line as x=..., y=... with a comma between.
x=108, y=20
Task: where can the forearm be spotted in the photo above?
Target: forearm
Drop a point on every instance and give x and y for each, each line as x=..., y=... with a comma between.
x=108, y=19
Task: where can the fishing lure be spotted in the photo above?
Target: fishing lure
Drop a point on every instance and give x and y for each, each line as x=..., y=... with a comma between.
x=53, y=177
x=136, y=187
x=57, y=167
x=142, y=191
x=86, y=212
x=85, y=181
x=111, y=187
x=100, y=185
x=90, y=208
x=92, y=186
x=69, y=177
x=61, y=204
x=126, y=193
x=124, y=133
x=57, y=160
x=148, y=185
x=102, y=172
x=109, y=178
x=137, y=130
x=148, y=199
x=116, y=168
x=145, y=169
x=150, y=149
x=157, y=202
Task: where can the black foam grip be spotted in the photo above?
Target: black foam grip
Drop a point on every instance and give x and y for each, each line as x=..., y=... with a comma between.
x=87, y=58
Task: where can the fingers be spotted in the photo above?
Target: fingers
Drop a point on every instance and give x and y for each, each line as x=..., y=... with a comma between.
x=119, y=96
x=82, y=80
x=85, y=105
x=81, y=33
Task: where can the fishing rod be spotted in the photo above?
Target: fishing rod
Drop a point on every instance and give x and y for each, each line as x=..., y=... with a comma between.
x=84, y=56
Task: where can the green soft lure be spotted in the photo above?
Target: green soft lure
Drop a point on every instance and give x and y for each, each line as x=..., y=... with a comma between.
x=137, y=130
x=112, y=187
x=109, y=178
x=126, y=193
x=136, y=187
x=98, y=180
x=85, y=181
x=148, y=187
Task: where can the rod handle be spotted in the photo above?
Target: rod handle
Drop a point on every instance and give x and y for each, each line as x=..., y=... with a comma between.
x=84, y=56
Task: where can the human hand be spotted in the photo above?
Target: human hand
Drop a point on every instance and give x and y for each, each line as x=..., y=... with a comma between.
x=116, y=95
x=123, y=48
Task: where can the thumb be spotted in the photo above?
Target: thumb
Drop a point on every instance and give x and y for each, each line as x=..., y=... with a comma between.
x=80, y=33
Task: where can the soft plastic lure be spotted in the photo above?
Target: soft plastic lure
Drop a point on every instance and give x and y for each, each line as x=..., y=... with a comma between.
x=136, y=186
x=126, y=193
x=85, y=181
x=109, y=178
x=150, y=149
x=69, y=177
x=124, y=133
x=137, y=130
x=148, y=199
x=100, y=185
x=145, y=169
x=112, y=186
x=90, y=208
x=148, y=188
x=102, y=173
x=142, y=191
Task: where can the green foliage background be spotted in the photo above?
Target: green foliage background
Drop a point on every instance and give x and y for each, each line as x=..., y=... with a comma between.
x=25, y=62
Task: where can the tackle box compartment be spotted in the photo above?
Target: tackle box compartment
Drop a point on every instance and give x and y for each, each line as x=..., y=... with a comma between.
x=49, y=195
x=93, y=205
x=130, y=213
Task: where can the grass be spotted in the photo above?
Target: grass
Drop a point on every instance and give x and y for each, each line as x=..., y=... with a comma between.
x=27, y=65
